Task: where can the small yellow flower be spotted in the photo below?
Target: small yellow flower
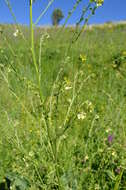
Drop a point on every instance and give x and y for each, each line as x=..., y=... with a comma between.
x=86, y=157
x=67, y=81
x=114, y=153
x=100, y=150
x=108, y=130
x=99, y=2
x=83, y=58
x=30, y=130
x=4, y=180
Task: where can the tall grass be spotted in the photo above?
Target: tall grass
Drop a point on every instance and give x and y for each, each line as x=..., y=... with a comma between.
x=63, y=107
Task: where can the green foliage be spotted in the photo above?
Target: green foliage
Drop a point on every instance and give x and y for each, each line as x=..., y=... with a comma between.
x=86, y=160
x=57, y=16
x=62, y=116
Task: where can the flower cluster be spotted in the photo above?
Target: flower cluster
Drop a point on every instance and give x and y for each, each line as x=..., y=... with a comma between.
x=16, y=33
x=81, y=116
x=89, y=106
x=67, y=83
x=98, y=2
x=83, y=58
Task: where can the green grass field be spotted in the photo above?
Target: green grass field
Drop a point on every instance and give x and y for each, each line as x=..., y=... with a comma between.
x=82, y=146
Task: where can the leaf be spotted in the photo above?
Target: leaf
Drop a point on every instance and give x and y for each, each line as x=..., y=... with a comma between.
x=111, y=175
x=18, y=181
x=118, y=181
x=21, y=184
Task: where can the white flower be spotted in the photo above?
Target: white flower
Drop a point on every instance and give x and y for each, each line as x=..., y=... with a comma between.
x=89, y=106
x=15, y=34
x=68, y=87
x=86, y=158
x=88, y=103
x=31, y=153
x=81, y=115
x=108, y=130
x=113, y=153
x=97, y=187
x=97, y=116
x=9, y=70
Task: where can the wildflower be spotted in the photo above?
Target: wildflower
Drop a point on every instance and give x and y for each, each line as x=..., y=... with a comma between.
x=31, y=153
x=67, y=81
x=83, y=58
x=86, y=158
x=110, y=139
x=89, y=106
x=97, y=187
x=44, y=37
x=99, y=2
x=30, y=130
x=15, y=34
x=88, y=103
x=47, y=36
x=64, y=137
x=97, y=117
x=114, y=66
x=24, y=159
x=68, y=87
x=9, y=70
x=113, y=153
x=100, y=150
x=81, y=116
x=108, y=130
x=91, y=110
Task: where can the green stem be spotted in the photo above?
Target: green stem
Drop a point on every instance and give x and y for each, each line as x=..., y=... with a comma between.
x=54, y=150
x=43, y=12
x=33, y=52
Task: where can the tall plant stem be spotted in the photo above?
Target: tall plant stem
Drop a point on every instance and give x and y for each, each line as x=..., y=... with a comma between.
x=33, y=52
x=54, y=150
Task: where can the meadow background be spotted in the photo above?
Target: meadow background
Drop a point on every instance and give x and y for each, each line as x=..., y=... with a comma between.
x=83, y=86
